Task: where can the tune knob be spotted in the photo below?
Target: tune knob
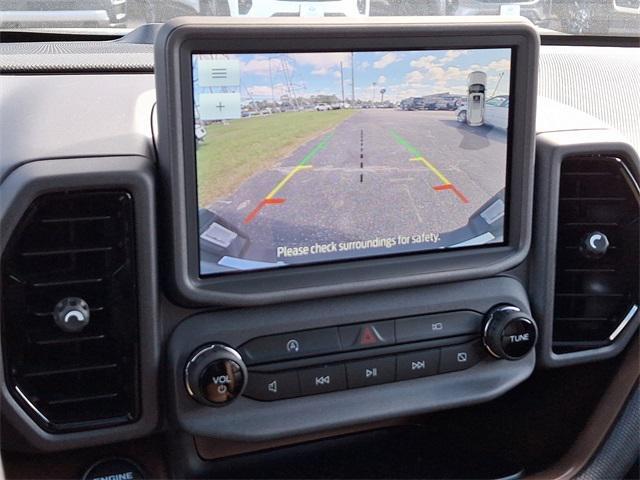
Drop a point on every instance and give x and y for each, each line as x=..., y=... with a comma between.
x=215, y=375
x=509, y=333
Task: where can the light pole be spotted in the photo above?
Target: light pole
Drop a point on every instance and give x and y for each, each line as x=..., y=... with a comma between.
x=353, y=80
x=497, y=84
x=342, y=83
x=273, y=97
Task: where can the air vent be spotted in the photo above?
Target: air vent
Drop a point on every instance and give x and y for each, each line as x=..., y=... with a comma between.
x=597, y=264
x=77, y=246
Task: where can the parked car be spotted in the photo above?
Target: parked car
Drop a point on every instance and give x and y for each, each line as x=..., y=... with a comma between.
x=200, y=132
x=70, y=13
x=323, y=107
x=417, y=103
x=496, y=112
x=430, y=105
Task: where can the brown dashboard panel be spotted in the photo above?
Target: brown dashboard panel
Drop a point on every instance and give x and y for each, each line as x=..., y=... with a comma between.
x=600, y=422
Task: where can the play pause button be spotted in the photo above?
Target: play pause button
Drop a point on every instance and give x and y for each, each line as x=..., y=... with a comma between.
x=371, y=372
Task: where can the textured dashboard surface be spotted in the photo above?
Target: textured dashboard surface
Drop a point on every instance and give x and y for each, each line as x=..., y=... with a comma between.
x=109, y=56
x=64, y=116
x=600, y=81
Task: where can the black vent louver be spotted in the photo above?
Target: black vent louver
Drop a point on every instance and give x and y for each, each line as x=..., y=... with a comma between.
x=594, y=296
x=77, y=244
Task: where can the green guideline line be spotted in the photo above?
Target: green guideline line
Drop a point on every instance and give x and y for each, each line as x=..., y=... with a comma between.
x=421, y=158
x=315, y=150
x=414, y=151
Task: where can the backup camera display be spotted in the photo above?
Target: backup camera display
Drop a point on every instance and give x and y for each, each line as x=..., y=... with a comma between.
x=315, y=157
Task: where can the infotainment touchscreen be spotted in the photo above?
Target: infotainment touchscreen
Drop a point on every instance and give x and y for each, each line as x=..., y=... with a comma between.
x=316, y=157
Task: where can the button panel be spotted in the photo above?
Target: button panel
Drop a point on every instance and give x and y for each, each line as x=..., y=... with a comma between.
x=363, y=373
x=387, y=345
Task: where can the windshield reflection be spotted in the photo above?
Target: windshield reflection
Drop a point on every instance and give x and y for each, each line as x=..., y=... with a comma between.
x=580, y=17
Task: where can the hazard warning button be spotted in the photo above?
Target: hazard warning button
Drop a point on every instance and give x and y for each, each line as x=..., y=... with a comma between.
x=367, y=335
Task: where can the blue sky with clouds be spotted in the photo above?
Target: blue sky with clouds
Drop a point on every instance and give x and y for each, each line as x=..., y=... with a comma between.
x=402, y=74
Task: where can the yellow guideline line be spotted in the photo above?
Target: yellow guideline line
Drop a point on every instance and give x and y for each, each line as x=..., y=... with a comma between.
x=442, y=178
x=286, y=179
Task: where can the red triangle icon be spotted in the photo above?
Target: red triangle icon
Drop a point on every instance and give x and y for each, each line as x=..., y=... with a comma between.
x=368, y=336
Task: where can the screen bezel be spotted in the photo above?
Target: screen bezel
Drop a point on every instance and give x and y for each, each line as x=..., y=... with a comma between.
x=180, y=39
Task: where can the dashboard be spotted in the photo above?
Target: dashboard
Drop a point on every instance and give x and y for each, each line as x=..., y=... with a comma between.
x=184, y=255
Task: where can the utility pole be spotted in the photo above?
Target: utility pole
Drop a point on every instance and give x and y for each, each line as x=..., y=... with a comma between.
x=342, y=83
x=497, y=85
x=285, y=70
x=353, y=81
x=273, y=97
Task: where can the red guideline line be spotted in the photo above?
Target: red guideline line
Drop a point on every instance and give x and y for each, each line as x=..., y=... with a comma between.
x=261, y=205
x=450, y=186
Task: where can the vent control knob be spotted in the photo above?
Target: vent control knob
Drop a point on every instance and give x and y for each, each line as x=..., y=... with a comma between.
x=215, y=375
x=71, y=314
x=509, y=333
x=594, y=245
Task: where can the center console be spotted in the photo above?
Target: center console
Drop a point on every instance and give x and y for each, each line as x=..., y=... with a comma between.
x=387, y=225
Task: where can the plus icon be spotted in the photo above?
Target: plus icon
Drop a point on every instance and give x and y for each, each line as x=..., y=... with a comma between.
x=220, y=106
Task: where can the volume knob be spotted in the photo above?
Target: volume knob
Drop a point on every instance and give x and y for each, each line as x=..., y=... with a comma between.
x=215, y=375
x=509, y=333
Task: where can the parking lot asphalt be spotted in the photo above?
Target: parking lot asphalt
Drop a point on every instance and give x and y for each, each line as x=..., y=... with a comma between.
x=379, y=174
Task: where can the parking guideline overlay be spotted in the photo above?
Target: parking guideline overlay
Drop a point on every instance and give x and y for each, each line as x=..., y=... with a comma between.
x=419, y=157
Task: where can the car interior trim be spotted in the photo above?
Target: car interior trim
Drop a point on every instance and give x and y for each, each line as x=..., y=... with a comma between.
x=600, y=423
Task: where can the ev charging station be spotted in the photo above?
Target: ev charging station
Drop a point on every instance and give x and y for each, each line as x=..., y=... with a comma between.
x=477, y=82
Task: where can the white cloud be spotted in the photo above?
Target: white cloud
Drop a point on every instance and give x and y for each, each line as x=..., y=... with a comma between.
x=386, y=60
x=258, y=66
x=327, y=60
x=455, y=73
x=438, y=74
x=453, y=54
x=320, y=71
x=431, y=61
x=258, y=91
x=414, y=77
x=499, y=65
x=364, y=65
x=426, y=62
x=381, y=80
